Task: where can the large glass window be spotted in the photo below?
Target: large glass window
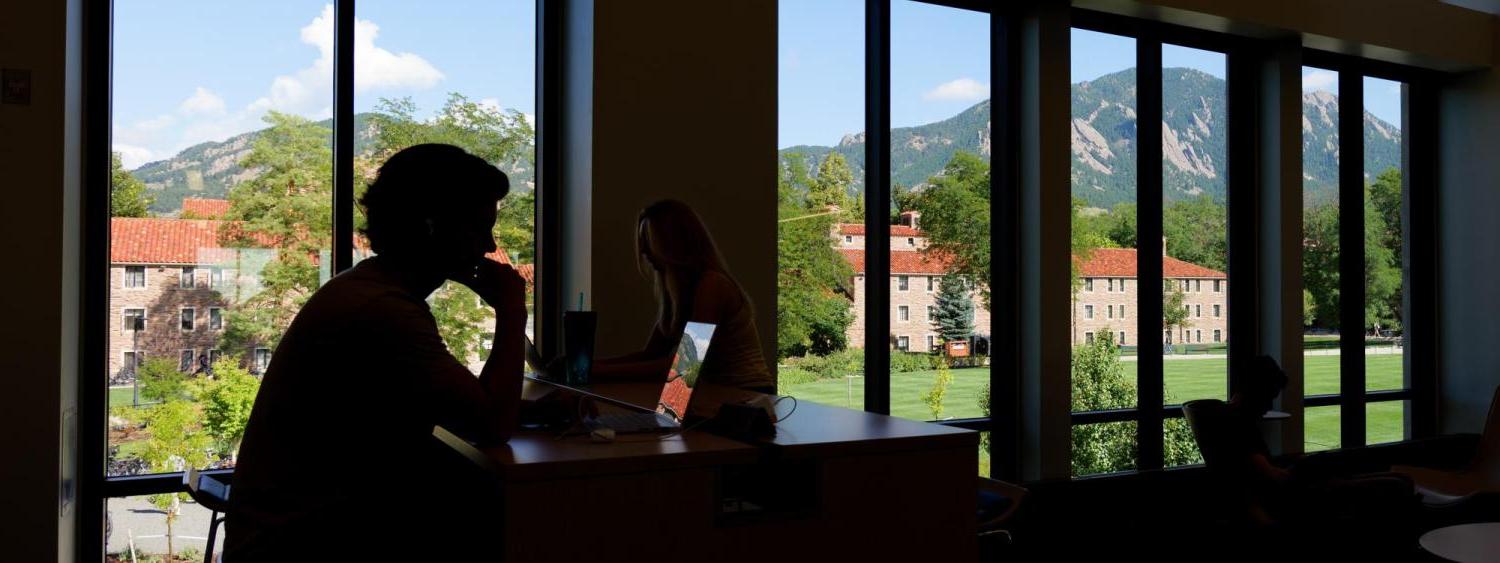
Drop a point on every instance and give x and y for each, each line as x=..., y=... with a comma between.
x=222, y=196
x=821, y=278
x=1383, y=236
x=438, y=91
x=1104, y=245
x=1321, y=341
x=940, y=205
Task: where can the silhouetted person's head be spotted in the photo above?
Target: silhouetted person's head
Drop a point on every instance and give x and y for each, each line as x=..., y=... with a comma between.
x=670, y=237
x=433, y=207
x=1263, y=383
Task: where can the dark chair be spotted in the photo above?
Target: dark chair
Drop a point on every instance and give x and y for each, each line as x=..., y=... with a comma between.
x=213, y=494
x=1442, y=488
x=998, y=503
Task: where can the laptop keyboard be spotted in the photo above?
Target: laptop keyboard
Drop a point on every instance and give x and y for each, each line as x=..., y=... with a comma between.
x=635, y=422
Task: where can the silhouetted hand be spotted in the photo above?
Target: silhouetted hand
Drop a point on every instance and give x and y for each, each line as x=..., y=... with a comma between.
x=499, y=285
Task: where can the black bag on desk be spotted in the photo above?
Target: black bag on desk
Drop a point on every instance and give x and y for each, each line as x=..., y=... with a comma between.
x=746, y=423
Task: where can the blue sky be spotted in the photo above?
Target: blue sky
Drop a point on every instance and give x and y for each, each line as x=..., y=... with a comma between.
x=179, y=81
x=821, y=58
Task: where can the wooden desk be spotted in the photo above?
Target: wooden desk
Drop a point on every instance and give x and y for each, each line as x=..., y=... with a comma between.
x=878, y=488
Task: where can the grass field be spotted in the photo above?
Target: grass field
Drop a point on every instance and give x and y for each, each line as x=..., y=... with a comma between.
x=1185, y=380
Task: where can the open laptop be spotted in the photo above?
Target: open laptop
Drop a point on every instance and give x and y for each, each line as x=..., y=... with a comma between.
x=675, y=400
x=676, y=393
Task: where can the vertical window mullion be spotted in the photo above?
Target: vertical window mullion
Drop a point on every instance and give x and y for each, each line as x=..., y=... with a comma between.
x=877, y=204
x=343, y=136
x=1351, y=259
x=1005, y=350
x=1148, y=256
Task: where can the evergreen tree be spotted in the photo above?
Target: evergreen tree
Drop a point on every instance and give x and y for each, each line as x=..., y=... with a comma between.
x=831, y=187
x=954, y=314
x=127, y=194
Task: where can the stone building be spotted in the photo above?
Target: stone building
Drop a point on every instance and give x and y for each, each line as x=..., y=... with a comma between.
x=914, y=278
x=172, y=283
x=1105, y=304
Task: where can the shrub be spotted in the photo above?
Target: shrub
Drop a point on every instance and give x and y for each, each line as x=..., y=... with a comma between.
x=907, y=362
x=791, y=375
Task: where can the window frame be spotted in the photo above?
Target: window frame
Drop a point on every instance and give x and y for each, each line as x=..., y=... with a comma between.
x=215, y=318
x=188, y=354
x=126, y=277
x=97, y=52
x=188, y=274
x=187, y=319
x=125, y=315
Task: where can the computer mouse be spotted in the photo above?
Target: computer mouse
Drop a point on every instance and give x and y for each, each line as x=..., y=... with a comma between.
x=602, y=435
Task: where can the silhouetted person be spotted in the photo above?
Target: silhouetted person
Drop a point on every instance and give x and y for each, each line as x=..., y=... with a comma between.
x=1316, y=491
x=692, y=284
x=338, y=453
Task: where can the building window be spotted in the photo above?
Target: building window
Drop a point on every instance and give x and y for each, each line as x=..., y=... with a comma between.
x=931, y=283
x=1198, y=311
x=216, y=278
x=903, y=313
x=132, y=319
x=185, y=363
x=1216, y=311
x=185, y=279
x=189, y=314
x=1122, y=285
x=262, y=360
x=1111, y=284
x=129, y=362
x=931, y=342
x=848, y=238
x=1217, y=335
x=1218, y=286
x=1109, y=311
x=903, y=282
x=213, y=356
x=1088, y=284
x=903, y=343
x=215, y=318
x=135, y=277
x=1122, y=311
x=931, y=312
x=1088, y=337
x=1198, y=335
x=911, y=241
x=1088, y=311
x=1122, y=338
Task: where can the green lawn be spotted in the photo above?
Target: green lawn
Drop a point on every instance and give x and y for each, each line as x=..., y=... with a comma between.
x=1184, y=379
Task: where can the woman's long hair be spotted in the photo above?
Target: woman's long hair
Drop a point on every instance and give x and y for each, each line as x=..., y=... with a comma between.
x=685, y=250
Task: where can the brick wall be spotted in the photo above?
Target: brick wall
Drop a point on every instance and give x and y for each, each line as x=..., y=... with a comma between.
x=1107, y=305
x=163, y=302
x=916, y=298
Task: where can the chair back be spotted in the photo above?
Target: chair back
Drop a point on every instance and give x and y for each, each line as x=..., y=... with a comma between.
x=1487, y=458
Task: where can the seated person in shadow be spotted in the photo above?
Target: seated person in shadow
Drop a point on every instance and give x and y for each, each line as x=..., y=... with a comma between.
x=1317, y=490
x=692, y=283
x=339, y=445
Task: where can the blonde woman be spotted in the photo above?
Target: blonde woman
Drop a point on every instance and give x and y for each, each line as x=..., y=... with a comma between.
x=692, y=284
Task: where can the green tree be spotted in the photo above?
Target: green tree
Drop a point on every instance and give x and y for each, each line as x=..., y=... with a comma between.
x=955, y=209
x=1197, y=231
x=812, y=278
x=831, y=186
x=160, y=380
x=933, y=398
x=127, y=194
x=1382, y=270
x=227, y=400
x=954, y=314
x=288, y=207
x=177, y=442
x=1320, y=261
x=1174, y=314
x=1099, y=383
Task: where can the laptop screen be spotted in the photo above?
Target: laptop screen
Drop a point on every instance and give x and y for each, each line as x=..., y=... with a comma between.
x=687, y=363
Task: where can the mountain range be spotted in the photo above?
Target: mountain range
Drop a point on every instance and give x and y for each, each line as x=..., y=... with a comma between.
x=1103, y=135
x=208, y=170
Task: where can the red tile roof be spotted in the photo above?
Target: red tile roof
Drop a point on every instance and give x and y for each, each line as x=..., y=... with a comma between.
x=154, y=240
x=1120, y=263
x=199, y=208
x=896, y=230
x=903, y=261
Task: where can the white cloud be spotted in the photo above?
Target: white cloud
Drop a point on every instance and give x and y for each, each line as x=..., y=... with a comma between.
x=1324, y=80
x=491, y=104
x=960, y=90
x=374, y=68
x=131, y=156
x=204, y=115
x=202, y=102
